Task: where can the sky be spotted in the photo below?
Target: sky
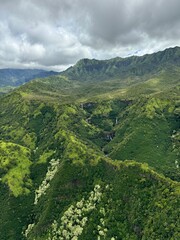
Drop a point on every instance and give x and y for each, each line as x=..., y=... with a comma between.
x=55, y=34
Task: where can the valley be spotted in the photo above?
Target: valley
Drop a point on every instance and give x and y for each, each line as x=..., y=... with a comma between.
x=93, y=152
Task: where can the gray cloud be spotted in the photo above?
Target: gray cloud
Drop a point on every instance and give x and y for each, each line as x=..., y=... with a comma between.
x=55, y=34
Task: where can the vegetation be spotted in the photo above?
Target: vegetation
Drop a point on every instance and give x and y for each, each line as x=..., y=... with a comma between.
x=91, y=160
x=14, y=165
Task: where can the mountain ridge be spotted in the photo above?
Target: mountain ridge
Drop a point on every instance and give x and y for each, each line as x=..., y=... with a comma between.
x=89, y=69
x=93, y=70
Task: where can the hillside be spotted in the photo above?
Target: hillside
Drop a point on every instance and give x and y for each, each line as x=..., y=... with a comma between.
x=85, y=160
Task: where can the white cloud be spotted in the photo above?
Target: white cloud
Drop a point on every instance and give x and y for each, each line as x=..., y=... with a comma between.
x=55, y=34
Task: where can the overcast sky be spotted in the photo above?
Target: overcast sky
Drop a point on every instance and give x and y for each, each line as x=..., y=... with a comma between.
x=54, y=34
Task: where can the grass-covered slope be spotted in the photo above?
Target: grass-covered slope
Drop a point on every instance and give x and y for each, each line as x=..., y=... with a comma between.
x=14, y=165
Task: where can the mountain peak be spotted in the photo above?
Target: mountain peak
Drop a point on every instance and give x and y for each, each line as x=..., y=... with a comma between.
x=85, y=61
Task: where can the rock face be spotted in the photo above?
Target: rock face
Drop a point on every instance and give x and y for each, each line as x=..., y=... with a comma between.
x=109, y=136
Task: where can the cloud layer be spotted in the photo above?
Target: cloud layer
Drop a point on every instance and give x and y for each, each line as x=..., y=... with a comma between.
x=55, y=34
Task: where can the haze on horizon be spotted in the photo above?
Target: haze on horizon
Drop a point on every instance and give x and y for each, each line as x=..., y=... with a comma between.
x=55, y=34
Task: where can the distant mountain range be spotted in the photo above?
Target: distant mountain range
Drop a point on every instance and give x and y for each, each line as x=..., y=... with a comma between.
x=10, y=78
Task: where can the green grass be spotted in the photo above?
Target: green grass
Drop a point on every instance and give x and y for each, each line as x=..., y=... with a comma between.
x=15, y=167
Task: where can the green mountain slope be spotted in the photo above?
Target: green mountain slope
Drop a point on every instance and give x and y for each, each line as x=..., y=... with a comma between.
x=86, y=160
x=132, y=67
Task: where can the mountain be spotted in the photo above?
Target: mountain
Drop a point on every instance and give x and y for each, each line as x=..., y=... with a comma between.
x=10, y=78
x=90, y=159
x=135, y=66
x=129, y=70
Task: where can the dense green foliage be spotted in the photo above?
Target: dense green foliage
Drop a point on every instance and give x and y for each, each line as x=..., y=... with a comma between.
x=14, y=165
x=91, y=160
